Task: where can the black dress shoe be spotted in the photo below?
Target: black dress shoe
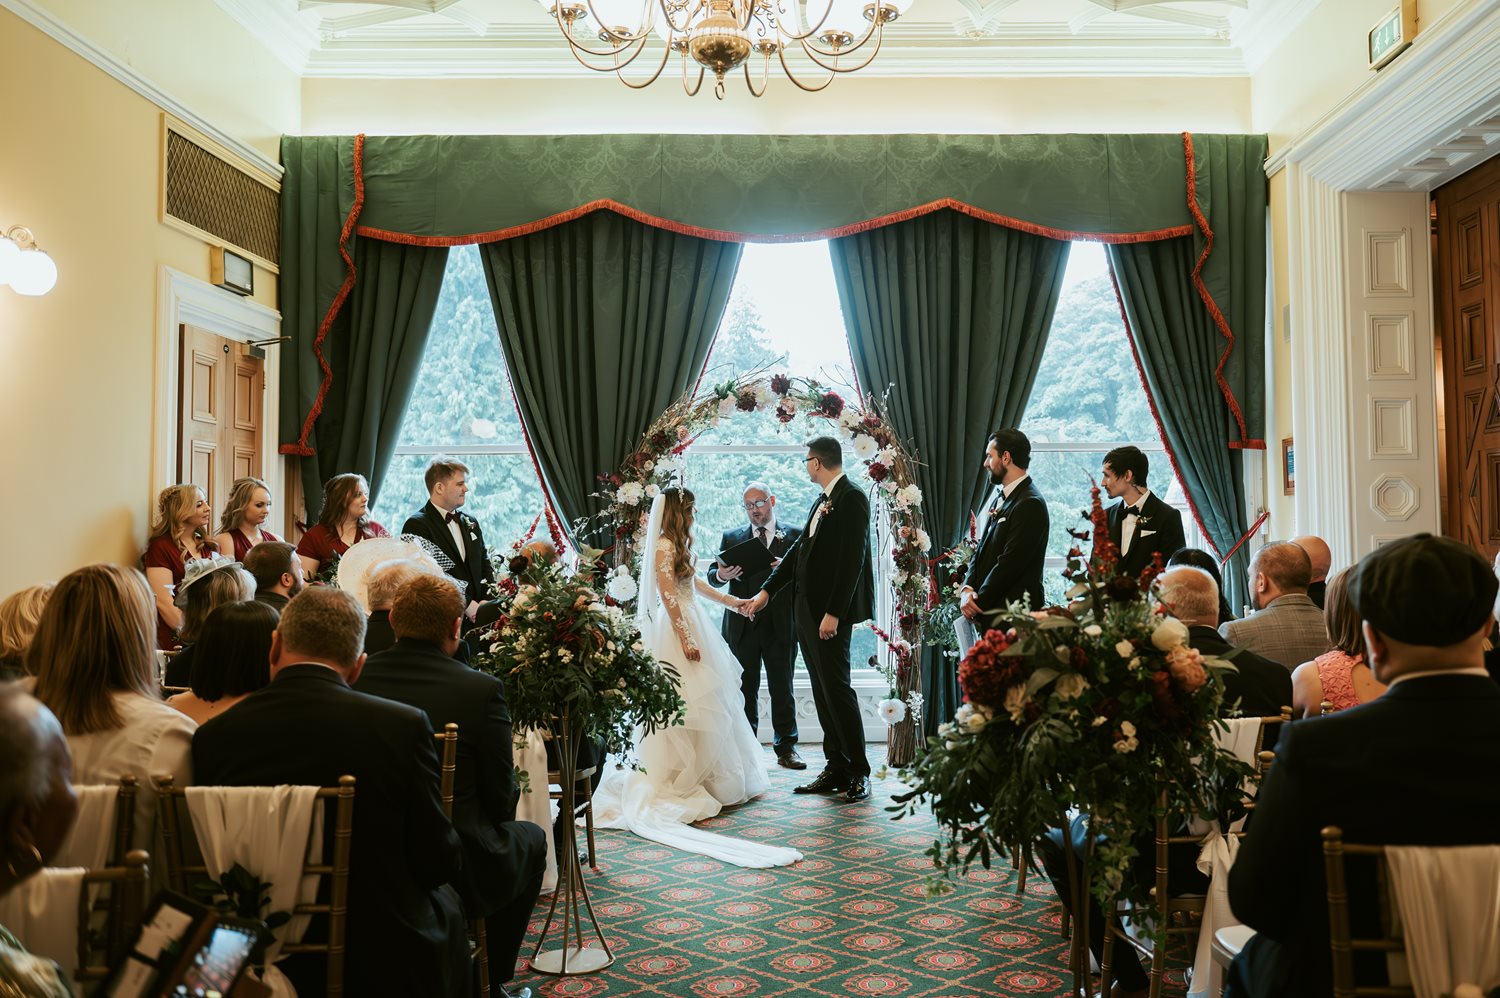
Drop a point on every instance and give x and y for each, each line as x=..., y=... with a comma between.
x=790, y=760
x=499, y=991
x=859, y=789
x=826, y=783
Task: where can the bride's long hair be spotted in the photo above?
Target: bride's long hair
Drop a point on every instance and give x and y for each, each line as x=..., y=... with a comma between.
x=677, y=527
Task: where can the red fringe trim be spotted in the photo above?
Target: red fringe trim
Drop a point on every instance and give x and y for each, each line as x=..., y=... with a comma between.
x=1166, y=443
x=1208, y=299
x=301, y=448
x=727, y=236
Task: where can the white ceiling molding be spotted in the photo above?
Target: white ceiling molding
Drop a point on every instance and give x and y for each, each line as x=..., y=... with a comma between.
x=1268, y=24
x=43, y=21
x=1425, y=118
x=285, y=35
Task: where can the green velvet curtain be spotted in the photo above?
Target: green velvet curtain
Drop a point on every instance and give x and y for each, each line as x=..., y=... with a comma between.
x=604, y=322
x=375, y=349
x=947, y=317
x=1178, y=346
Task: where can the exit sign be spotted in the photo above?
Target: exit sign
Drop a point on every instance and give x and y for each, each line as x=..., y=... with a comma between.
x=1390, y=37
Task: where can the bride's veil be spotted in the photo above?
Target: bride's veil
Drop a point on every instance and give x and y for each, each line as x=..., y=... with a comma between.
x=645, y=602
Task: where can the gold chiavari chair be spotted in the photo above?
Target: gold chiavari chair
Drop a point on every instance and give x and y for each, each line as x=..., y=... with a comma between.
x=127, y=904
x=1180, y=914
x=447, y=743
x=171, y=800
x=1341, y=940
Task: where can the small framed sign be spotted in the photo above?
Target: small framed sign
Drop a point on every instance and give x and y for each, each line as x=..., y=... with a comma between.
x=1390, y=37
x=231, y=271
x=1288, y=467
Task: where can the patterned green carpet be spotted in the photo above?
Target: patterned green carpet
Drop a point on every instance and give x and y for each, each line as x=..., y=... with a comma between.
x=852, y=919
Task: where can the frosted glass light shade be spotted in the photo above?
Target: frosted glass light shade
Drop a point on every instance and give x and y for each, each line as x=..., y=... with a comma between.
x=34, y=273
x=625, y=16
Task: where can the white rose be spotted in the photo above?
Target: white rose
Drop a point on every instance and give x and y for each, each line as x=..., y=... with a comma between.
x=1099, y=721
x=1127, y=729
x=1170, y=633
x=892, y=711
x=652, y=492
x=630, y=493
x=850, y=418
x=909, y=496
x=900, y=579
x=621, y=588
x=1125, y=745
x=886, y=456
x=865, y=446
x=648, y=465
x=963, y=713
x=1015, y=703
x=924, y=543
x=1070, y=686
x=1125, y=649
x=946, y=728
x=888, y=486
x=978, y=719
x=1093, y=630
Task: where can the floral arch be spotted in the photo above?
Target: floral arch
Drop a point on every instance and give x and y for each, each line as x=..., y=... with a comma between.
x=865, y=430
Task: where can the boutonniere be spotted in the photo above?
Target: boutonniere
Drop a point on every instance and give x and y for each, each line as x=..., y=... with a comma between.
x=780, y=534
x=826, y=505
x=994, y=512
x=1141, y=522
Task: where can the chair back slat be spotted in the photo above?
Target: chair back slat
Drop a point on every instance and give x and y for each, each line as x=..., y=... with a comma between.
x=447, y=744
x=1341, y=941
x=127, y=886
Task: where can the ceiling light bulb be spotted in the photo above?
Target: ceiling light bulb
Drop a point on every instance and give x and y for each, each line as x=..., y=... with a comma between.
x=9, y=254
x=33, y=273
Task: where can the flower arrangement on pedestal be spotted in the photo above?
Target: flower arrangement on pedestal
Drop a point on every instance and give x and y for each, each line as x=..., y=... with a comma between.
x=1100, y=708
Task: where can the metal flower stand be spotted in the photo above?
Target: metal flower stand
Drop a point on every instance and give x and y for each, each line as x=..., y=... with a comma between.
x=577, y=958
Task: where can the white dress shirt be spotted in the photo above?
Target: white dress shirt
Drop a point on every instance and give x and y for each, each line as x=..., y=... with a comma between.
x=812, y=528
x=1128, y=521
x=456, y=530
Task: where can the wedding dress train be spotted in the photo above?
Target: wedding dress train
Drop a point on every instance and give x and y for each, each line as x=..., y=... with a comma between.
x=713, y=760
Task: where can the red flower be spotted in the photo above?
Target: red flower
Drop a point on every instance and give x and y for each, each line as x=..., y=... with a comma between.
x=878, y=472
x=784, y=415
x=746, y=402
x=872, y=421
x=831, y=405
x=661, y=440
x=781, y=384
x=984, y=675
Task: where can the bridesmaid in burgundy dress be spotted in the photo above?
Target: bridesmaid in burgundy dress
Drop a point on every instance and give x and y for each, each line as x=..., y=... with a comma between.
x=345, y=522
x=181, y=532
x=249, y=506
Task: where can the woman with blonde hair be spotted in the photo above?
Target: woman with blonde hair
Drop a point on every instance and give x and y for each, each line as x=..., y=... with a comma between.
x=19, y=615
x=95, y=669
x=1341, y=677
x=209, y=583
x=344, y=522
x=248, y=507
x=181, y=532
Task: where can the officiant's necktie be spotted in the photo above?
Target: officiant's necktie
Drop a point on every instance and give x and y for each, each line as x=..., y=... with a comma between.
x=760, y=535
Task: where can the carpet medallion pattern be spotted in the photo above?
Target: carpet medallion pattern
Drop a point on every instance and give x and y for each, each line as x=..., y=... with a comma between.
x=853, y=919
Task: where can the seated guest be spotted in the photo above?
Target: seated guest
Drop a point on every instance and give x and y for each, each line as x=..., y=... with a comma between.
x=37, y=808
x=456, y=533
x=406, y=931
x=1321, y=558
x=277, y=571
x=248, y=507
x=1141, y=525
x=1339, y=676
x=95, y=669
x=180, y=534
x=1199, y=558
x=1287, y=627
x=503, y=858
x=232, y=659
x=385, y=580
x=19, y=614
x=344, y=522
x=209, y=582
x=1258, y=687
x=1413, y=767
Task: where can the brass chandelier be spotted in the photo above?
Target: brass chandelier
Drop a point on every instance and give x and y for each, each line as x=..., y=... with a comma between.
x=719, y=36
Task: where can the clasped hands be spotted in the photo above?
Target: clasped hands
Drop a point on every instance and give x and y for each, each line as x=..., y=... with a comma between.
x=827, y=628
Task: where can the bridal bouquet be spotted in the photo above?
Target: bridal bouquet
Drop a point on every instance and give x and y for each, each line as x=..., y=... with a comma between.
x=560, y=646
x=1100, y=707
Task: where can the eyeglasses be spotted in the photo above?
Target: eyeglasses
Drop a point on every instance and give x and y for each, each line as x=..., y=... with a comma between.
x=754, y=504
x=808, y=458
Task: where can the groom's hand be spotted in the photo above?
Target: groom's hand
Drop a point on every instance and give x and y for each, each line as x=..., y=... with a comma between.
x=968, y=604
x=829, y=627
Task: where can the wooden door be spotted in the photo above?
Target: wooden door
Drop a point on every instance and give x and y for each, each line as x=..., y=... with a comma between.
x=1467, y=308
x=221, y=393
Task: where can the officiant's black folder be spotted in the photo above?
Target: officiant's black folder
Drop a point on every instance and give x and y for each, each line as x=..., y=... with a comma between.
x=752, y=555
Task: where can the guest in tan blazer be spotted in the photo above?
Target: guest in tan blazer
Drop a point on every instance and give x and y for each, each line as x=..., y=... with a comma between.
x=1287, y=626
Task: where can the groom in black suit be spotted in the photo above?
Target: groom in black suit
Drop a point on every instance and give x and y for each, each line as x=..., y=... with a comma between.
x=770, y=637
x=1140, y=524
x=833, y=587
x=456, y=533
x=1007, y=564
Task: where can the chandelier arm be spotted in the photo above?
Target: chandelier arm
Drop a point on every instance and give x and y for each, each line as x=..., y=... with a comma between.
x=623, y=37
x=781, y=52
x=696, y=86
x=875, y=30
x=765, y=76
x=665, y=55
x=811, y=32
x=614, y=54
x=812, y=53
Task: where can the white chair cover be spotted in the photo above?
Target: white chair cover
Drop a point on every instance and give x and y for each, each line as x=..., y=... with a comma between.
x=1449, y=901
x=1214, y=859
x=537, y=806
x=93, y=833
x=266, y=830
x=42, y=912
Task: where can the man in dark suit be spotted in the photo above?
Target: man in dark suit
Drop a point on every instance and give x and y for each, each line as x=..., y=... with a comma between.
x=1414, y=767
x=503, y=858
x=1140, y=524
x=406, y=933
x=277, y=571
x=1258, y=686
x=1007, y=564
x=456, y=533
x=833, y=588
x=769, y=637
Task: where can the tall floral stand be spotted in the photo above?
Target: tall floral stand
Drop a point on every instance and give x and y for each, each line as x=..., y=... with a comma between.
x=578, y=958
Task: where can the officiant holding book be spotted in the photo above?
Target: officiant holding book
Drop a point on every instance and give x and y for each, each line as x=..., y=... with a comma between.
x=747, y=556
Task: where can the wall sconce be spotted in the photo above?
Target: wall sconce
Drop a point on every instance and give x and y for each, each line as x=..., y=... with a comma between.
x=23, y=265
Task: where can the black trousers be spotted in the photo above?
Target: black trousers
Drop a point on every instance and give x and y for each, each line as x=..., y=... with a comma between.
x=838, y=707
x=760, y=645
x=505, y=926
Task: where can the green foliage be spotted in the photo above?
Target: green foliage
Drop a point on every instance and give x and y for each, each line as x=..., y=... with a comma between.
x=240, y=894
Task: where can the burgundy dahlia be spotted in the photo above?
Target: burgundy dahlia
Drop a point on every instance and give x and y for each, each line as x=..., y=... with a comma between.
x=831, y=405
x=781, y=384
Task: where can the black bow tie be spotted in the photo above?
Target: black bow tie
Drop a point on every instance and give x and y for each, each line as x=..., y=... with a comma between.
x=1133, y=509
x=451, y=517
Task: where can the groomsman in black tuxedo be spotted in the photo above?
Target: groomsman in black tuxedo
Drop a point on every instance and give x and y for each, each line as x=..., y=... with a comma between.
x=456, y=533
x=1007, y=564
x=833, y=588
x=1140, y=524
x=771, y=636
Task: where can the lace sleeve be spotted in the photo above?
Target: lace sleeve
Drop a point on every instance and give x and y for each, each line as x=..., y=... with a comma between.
x=704, y=589
x=666, y=586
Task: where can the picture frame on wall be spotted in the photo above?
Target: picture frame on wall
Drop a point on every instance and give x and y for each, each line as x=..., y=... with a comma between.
x=1288, y=467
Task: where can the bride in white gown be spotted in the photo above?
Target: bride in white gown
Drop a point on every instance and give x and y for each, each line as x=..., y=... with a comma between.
x=713, y=760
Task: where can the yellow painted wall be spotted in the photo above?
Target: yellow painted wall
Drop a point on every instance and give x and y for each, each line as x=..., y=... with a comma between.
x=81, y=169
x=849, y=106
